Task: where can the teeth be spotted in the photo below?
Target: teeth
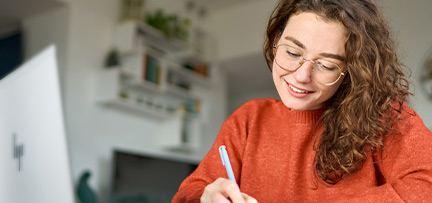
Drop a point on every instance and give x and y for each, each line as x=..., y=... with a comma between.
x=297, y=90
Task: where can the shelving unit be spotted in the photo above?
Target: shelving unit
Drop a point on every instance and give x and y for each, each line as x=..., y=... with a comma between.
x=135, y=108
x=156, y=80
x=156, y=39
x=191, y=76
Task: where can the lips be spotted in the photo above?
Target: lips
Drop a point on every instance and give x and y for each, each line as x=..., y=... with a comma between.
x=297, y=89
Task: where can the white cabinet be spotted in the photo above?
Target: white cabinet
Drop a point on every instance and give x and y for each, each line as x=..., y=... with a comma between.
x=157, y=79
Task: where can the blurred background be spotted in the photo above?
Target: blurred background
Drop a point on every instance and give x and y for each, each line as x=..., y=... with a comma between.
x=150, y=82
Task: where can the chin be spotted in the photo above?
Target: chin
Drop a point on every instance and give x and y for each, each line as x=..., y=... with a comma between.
x=300, y=106
x=293, y=106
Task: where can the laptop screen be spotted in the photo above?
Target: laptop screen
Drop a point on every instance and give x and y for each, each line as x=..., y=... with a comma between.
x=34, y=156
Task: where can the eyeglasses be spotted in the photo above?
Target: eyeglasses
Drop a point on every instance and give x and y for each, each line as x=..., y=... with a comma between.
x=323, y=71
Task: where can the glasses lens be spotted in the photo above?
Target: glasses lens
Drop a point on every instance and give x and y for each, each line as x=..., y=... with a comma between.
x=326, y=72
x=290, y=58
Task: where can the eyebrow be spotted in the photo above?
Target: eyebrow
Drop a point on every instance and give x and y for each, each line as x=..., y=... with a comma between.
x=327, y=55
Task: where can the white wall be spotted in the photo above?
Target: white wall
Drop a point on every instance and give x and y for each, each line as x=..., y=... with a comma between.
x=45, y=29
x=240, y=29
x=92, y=131
x=411, y=23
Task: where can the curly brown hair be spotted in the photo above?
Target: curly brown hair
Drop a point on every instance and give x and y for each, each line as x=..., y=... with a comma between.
x=370, y=98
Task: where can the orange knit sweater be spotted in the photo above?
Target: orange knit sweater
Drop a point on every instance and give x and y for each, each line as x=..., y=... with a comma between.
x=271, y=152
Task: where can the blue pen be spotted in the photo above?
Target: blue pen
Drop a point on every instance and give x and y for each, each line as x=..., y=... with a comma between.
x=226, y=162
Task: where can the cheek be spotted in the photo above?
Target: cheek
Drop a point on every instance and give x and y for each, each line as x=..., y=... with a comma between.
x=330, y=91
x=276, y=74
x=276, y=71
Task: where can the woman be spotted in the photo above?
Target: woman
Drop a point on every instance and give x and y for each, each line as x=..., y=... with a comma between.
x=342, y=130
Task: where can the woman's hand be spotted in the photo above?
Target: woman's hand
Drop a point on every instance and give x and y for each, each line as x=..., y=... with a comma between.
x=224, y=190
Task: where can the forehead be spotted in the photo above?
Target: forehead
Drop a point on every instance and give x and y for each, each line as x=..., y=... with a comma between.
x=316, y=33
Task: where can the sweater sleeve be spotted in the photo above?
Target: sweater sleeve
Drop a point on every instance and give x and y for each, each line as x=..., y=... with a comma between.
x=232, y=135
x=404, y=166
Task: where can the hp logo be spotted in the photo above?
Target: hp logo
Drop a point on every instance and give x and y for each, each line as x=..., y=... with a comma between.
x=18, y=151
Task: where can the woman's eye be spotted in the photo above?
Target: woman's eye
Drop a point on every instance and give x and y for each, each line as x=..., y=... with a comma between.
x=292, y=54
x=326, y=66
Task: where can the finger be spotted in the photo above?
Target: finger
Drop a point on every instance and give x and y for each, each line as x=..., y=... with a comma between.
x=217, y=191
x=248, y=198
x=232, y=191
x=219, y=198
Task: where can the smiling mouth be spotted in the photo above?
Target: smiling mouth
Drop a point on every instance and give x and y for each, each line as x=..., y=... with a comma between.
x=298, y=90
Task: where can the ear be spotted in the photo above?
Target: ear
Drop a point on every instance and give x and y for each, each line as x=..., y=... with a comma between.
x=347, y=79
x=276, y=41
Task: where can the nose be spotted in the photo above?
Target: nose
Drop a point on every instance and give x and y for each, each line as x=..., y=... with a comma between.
x=303, y=73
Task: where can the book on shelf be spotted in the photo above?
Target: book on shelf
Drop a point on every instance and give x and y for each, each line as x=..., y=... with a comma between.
x=151, y=69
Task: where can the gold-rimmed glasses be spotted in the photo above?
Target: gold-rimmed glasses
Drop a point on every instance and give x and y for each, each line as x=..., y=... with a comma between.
x=323, y=71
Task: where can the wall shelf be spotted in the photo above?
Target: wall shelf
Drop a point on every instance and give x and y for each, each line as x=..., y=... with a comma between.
x=156, y=80
x=190, y=75
x=169, y=90
x=137, y=108
x=156, y=39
